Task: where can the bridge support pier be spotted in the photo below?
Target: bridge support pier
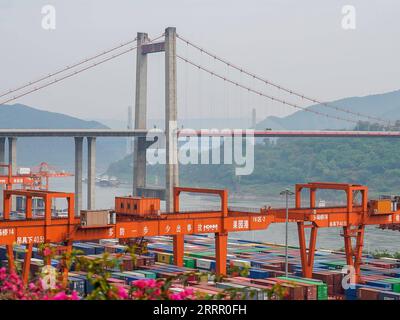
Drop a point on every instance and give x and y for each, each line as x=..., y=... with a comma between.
x=78, y=174
x=12, y=161
x=139, y=144
x=91, y=173
x=2, y=161
x=12, y=154
x=171, y=117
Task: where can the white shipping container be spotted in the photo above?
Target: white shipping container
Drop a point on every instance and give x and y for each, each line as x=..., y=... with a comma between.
x=203, y=264
x=241, y=263
x=135, y=274
x=24, y=171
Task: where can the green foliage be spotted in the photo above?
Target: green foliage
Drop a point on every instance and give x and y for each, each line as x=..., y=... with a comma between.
x=385, y=254
x=373, y=162
x=98, y=271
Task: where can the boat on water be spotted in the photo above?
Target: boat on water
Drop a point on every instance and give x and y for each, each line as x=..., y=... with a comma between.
x=106, y=181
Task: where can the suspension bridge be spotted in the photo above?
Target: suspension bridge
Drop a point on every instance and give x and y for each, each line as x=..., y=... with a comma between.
x=167, y=43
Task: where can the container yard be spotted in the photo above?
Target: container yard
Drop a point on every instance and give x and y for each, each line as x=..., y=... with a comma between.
x=178, y=244
x=261, y=266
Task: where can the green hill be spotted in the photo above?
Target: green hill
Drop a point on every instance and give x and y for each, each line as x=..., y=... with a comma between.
x=385, y=105
x=56, y=151
x=19, y=116
x=283, y=162
x=373, y=162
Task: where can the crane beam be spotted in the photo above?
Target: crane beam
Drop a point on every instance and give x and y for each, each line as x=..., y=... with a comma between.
x=352, y=217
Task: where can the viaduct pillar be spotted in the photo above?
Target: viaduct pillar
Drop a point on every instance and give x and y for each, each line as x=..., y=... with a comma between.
x=78, y=174
x=91, y=173
x=12, y=161
x=2, y=171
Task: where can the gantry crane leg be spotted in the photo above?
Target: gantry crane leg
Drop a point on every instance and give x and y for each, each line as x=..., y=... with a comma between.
x=10, y=257
x=27, y=263
x=221, y=250
x=46, y=259
x=307, y=255
x=179, y=247
x=354, y=257
x=65, y=264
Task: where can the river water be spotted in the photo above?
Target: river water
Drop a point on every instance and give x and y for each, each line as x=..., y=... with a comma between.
x=329, y=238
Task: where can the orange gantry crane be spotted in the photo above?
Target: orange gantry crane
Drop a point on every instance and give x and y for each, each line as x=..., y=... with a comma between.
x=9, y=180
x=140, y=217
x=36, y=178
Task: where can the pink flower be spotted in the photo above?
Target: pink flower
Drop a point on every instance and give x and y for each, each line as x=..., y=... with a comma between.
x=74, y=296
x=122, y=293
x=175, y=296
x=141, y=284
x=32, y=286
x=187, y=294
x=151, y=283
x=157, y=292
x=60, y=296
x=138, y=294
x=46, y=252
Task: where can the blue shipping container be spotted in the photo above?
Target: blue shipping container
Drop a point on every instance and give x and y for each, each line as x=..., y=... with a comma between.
x=380, y=284
x=77, y=285
x=258, y=274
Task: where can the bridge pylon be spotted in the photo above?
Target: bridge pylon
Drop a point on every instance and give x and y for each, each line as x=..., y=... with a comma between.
x=145, y=47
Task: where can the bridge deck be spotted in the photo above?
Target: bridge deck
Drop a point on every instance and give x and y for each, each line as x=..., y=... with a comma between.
x=186, y=132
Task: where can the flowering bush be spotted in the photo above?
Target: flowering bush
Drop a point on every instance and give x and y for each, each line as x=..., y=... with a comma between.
x=98, y=273
x=12, y=288
x=150, y=289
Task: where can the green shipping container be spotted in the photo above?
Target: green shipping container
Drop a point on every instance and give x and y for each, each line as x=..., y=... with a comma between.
x=189, y=263
x=333, y=265
x=395, y=284
x=396, y=287
x=201, y=254
x=147, y=274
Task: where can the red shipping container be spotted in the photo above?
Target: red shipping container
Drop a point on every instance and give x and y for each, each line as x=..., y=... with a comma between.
x=367, y=294
x=293, y=292
x=310, y=290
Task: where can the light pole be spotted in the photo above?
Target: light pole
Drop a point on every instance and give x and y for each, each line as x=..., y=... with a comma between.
x=287, y=193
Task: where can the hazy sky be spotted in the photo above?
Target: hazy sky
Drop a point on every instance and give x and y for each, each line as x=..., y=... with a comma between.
x=300, y=44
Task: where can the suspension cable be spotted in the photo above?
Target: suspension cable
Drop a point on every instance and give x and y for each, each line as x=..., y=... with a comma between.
x=50, y=75
x=273, y=98
x=70, y=74
x=280, y=87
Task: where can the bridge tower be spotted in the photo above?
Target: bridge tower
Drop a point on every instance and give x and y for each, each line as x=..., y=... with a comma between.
x=129, y=126
x=139, y=148
x=145, y=47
